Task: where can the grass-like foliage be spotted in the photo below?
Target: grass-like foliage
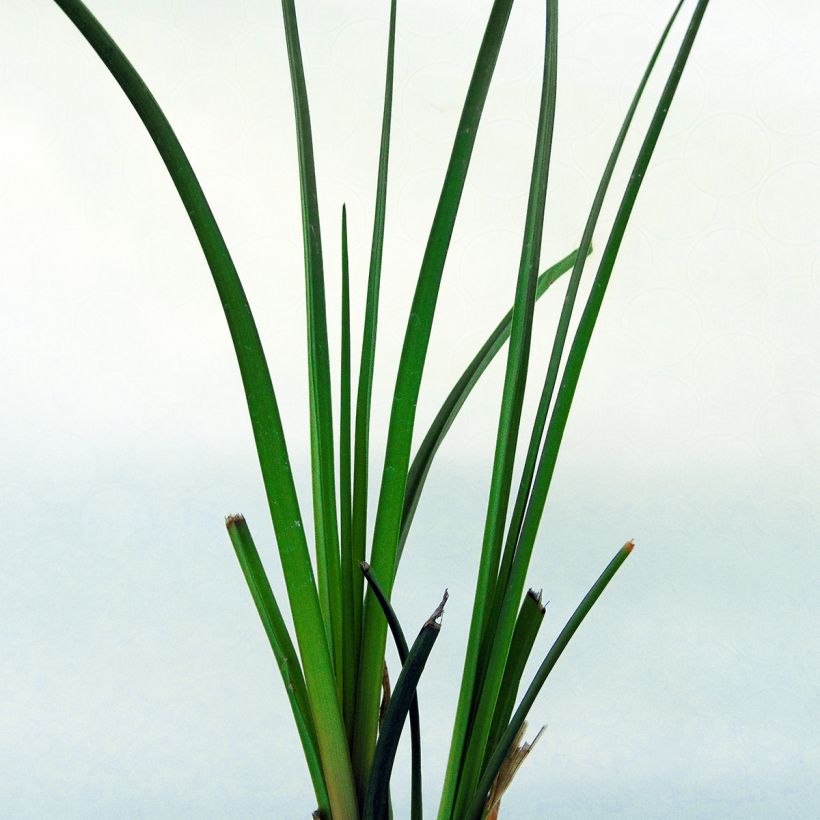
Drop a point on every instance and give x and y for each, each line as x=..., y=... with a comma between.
x=334, y=673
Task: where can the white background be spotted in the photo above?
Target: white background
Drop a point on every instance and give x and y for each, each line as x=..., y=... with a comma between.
x=136, y=680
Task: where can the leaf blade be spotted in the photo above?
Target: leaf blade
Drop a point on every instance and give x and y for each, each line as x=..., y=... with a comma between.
x=408, y=382
x=530, y=618
x=261, y=399
x=416, y=807
x=283, y=650
x=364, y=389
x=578, y=350
x=539, y=424
x=404, y=694
x=480, y=685
x=328, y=560
x=349, y=585
x=476, y=806
x=450, y=408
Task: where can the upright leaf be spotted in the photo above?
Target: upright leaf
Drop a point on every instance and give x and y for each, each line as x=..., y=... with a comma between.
x=416, y=808
x=282, y=646
x=530, y=618
x=321, y=411
x=263, y=411
x=452, y=405
x=364, y=389
x=569, y=381
x=408, y=382
x=476, y=804
x=404, y=695
x=349, y=585
x=480, y=686
x=544, y=403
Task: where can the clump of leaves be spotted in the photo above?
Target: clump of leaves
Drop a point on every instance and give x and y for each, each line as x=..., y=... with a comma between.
x=334, y=673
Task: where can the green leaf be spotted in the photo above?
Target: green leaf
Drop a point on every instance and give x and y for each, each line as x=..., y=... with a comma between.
x=282, y=647
x=364, y=390
x=404, y=694
x=416, y=807
x=530, y=618
x=525, y=485
x=262, y=407
x=481, y=685
x=408, y=382
x=476, y=805
x=506, y=620
x=349, y=585
x=452, y=405
x=321, y=411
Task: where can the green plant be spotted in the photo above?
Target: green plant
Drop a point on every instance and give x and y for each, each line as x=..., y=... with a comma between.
x=333, y=675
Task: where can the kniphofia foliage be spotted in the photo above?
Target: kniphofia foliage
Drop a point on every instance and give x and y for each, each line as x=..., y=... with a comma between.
x=334, y=673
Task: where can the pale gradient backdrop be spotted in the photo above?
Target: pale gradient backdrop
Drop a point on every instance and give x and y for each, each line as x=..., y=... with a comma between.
x=136, y=681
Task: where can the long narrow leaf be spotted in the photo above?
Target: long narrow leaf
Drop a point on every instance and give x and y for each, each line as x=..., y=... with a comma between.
x=569, y=381
x=531, y=460
x=452, y=405
x=321, y=412
x=282, y=646
x=530, y=618
x=364, y=389
x=404, y=694
x=349, y=581
x=477, y=803
x=408, y=382
x=416, y=808
x=262, y=407
x=478, y=685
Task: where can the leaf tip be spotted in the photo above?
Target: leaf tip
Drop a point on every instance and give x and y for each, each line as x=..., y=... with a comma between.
x=435, y=618
x=232, y=521
x=629, y=546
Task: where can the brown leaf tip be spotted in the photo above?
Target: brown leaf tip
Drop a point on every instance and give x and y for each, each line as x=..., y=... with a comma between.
x=629, y=546
x=234, y=520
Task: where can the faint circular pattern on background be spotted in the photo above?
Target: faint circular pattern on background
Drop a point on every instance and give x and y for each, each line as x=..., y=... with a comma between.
x=791, y=315
x=634, y=268
x=788, y=205
x=430, y=101
x=522, y=52
x=429, y=19
x=594, y=36
x=729, y=267
x=61, y=468
x=616, y=370
x=569, y=195
x=730, y=471
x=580, y=113
x=358, y=54
x=496, y=158
x=667, y=322
x=689, y=212
x=488, y=264
x=735, y=372
x=664, y=415
x=417, y=194
x=727, y=154
x=815, y=271
x=116, y=510
x=687, y=107
x=795, y=113
x=789, y=427
x=725, y=48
